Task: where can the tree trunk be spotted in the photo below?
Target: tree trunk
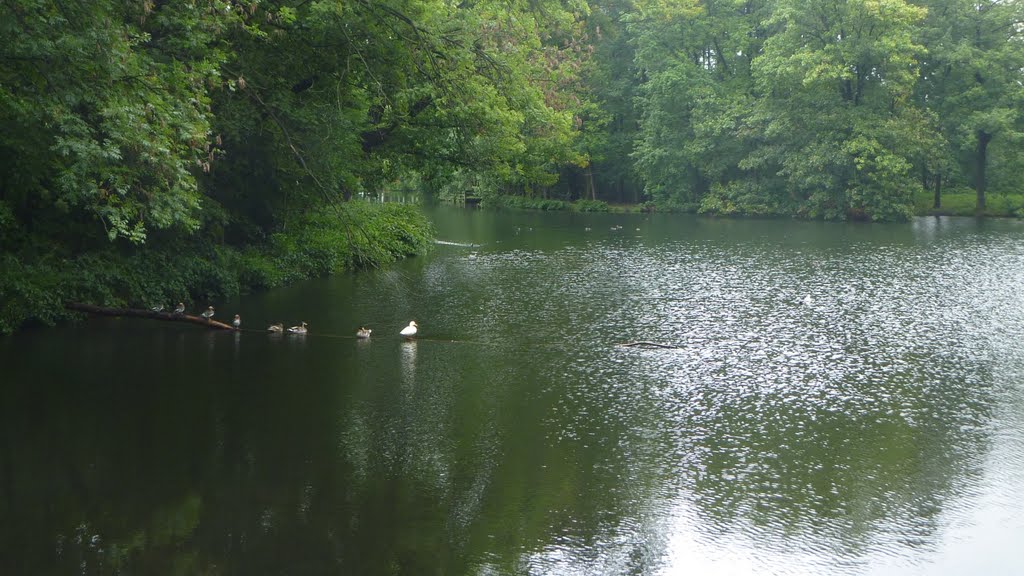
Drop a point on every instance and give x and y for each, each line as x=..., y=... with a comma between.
x=979, y=169
x=138, y=313
x=938, y=191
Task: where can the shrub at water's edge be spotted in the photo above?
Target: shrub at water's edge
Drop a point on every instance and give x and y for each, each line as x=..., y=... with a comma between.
x=958, y=202
x=525, y=203
x=355, y=235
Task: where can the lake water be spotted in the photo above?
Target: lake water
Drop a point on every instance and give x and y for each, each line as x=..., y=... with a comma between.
x=826, y=399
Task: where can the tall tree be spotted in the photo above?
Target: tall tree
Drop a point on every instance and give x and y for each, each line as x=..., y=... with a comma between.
x=609, y=123
x=835, y=80
x=694, y=58
x=342, y=97
x=972, y=79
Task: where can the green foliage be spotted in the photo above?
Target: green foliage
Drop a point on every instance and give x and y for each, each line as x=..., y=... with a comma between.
x=838, y=86
x=695, y=102
x=881, y=188
x=590, y=206
x=8, y=223
x=106, y=114
x=158, y=148
x=28, y=292
x=355, y=235
x=37, y=291
x=197, y=272
x=963, y=202
x=461, y=183
x=341, y=98
x=837, y=111
x=972, y=81
x=525, y=203
x=740, y=198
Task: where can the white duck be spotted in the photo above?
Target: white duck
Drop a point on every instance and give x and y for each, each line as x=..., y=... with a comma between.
x=237, y=322
x=363, y=332
x=180, y=308
x=208, y=313
x=410, y=330
x=275, y=328
x=300, y=329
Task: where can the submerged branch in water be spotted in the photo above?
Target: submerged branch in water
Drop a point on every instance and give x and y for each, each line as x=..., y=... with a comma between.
x=645, y=344
x=139, y=313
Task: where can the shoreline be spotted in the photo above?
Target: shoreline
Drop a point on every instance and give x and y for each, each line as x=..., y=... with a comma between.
x=953, y=204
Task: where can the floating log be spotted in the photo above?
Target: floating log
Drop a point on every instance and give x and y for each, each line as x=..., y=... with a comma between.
x=645, y=344
x=139, y=313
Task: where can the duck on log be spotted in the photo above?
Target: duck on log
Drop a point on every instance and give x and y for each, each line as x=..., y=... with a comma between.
x=151, y=314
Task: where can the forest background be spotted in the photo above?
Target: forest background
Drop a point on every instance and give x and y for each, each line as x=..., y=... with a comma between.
x=155, y=151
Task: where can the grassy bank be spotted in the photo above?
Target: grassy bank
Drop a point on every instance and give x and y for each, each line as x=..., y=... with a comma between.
x=34, y=287
x=963, y=203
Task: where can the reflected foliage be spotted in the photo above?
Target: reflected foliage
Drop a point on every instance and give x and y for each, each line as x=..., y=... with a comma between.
x=855, y=427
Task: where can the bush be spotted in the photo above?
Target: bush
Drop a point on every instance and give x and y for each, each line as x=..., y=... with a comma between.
x=590, y=206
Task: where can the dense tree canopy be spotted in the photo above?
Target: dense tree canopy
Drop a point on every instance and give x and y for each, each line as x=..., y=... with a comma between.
x=106, y=113
x=139, y=115
x=162, y=115
x=827, y=109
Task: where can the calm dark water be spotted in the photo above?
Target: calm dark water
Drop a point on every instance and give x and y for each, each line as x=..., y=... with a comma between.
x=838, y=399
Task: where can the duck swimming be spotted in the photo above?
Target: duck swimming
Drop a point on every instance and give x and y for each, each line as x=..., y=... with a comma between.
x=300, y=329
x=208, y=313
x=275, y=328
x=410, y=330
x=363, y=332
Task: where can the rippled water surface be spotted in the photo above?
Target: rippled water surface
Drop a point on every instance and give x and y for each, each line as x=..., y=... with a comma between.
x=799, y=398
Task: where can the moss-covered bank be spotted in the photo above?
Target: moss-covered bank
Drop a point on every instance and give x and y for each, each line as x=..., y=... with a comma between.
x=36, y=282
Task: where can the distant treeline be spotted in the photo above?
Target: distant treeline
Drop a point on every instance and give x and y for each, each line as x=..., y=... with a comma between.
x=823, y=109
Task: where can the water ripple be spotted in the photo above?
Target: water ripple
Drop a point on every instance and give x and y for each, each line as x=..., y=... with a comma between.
x=829, y=406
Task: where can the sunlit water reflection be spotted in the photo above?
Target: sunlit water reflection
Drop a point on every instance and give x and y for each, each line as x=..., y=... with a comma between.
x=826, y=399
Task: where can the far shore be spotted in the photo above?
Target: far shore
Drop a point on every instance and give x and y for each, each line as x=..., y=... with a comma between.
x=958, y=203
